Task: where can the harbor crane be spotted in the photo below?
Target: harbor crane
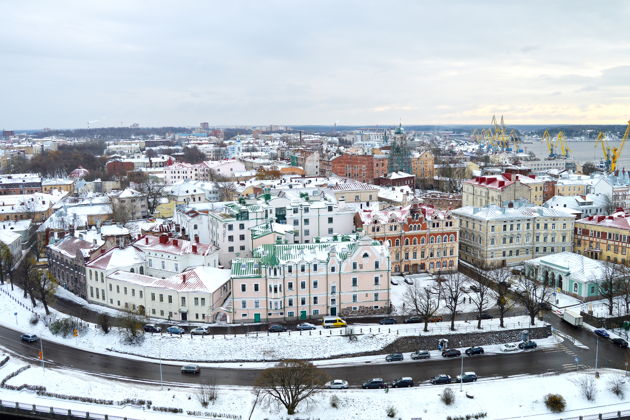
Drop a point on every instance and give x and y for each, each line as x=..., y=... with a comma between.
x=611, y=155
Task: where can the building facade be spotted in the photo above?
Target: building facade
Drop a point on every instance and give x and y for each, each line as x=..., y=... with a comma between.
x=362, y=168
x=605, y=238
x=423, y=165
x=500, y=189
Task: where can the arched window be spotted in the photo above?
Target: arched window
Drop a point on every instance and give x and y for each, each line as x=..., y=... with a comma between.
x=366, y=255
x=437, y=265
x=431, y=266
x=439, y=239
x=415, y=241
x=388, y=243
x=132, y=270
x=422, y=241
x=445, y=239
x=141, y=270
x=406, y=241
x=452, y=239
x=397, y=242
x=431, y=240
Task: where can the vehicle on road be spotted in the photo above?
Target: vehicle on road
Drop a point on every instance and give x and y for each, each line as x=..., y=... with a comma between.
x=374, y=383
x=441, y=379
x=602, y=333
x=414, y=320
x=277, y=328
x=404, y=382
x=387, y=321
x=420, y=354
x=175, y=330
x=474, y=350
x=484, y=315
x=337, y=384
x=29, y=338
x=199, y=331
x=150, y=328
x=334, y=322
x=451, y=353
x=192, y=369
x=573, y=318
x=436, y=319
x=394, y=357
x=527, y=345
x=409, y=281
x=467, y=377
x=620, y=342
x=508, y=347
x=305, y=326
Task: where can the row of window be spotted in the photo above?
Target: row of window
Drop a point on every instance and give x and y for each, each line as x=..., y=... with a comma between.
x=277, y=288
x=278, y=304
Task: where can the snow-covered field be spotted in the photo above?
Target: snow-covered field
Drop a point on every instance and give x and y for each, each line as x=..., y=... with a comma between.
x=516, y=397
x=251, y=347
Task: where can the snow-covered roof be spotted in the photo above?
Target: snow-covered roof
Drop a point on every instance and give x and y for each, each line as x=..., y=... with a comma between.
x=199, y=279
x=117, y=258
x=618, y=220
x=7, y=237
x=502, y=213
x=114, y=230
x=129, y=193
x=176, y=246
x=579, y=267
x=69, y=246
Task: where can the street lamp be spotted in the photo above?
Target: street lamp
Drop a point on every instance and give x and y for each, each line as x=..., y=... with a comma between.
x=596, y=351
x=160, y=356
x=461, y=374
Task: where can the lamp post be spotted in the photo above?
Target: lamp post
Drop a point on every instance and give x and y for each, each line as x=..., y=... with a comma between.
x=461, y=374
x=596, y=350
x=161, y=387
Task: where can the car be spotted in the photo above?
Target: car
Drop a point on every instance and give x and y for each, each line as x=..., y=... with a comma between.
x=467, y=377
x=150, y=328
x=602, y=333
x=484, y=315
x=508, y=347
x=414, y=320
x=420, y=354
x=394, y=282
x=474, y=288
x=277, y=328
x=337, y=384
x=409, y=281
x=474, y=350
x=199, y=331
x=374, y=383
x=435, y=319
x=305, y=326
x=387, y=321
x=394, y=357
x=527, y=345
x=29, y=338
x=333, y=322
x=403, y=382
x=451, y=353
x=192, y=369
x=441, y=379
x=620, y=342
x=175, y=330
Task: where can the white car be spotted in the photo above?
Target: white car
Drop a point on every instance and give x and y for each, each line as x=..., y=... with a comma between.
x=394, y=281
x=509, y=347
x=337, y=384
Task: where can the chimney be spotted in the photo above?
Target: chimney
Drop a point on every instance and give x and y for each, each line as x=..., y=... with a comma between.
x=194, y=249
x=183, y=277
x=175, y=242
x=196, y=238
x=163, y=239
x=146, y=240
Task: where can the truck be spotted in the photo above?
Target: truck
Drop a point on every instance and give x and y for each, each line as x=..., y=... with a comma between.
x=573, y=318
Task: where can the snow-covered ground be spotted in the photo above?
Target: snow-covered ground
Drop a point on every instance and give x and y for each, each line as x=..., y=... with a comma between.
x=515, y=397
x=316, y=344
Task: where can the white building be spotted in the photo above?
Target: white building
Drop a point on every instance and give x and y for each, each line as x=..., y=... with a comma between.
x=581, y=205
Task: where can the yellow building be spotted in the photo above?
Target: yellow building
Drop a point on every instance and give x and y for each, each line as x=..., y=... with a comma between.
x=165, y=209
x=60, y=184
x=569, y=188
x=423, y=165
x=605, y=238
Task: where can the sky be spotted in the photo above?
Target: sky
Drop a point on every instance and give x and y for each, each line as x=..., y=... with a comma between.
x=64, y=64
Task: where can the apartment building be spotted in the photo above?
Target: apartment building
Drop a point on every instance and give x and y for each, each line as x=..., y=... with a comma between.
x=181, y=171
x=581, y=205
x=66, y=261
x=362, y=168
x=130, y=203
x=15, y=184
x=495, y=236
x=423, y=165
x=352, y=191
x=605, y=238
x=342, y=275
x=419, y=238
x=500, y=189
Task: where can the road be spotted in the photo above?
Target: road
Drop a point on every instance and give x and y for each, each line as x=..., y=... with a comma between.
x=557, y=359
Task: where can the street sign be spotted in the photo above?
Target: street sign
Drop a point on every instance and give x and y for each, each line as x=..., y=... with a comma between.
x=75, y=332
x=577, y=360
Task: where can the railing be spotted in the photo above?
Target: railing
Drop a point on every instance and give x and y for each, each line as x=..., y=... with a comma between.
x=45, y=411
x=622, y=414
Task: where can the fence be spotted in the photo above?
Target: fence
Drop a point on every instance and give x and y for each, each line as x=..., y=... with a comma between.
x=10, y=295
x=45, y=411
x=624, y=414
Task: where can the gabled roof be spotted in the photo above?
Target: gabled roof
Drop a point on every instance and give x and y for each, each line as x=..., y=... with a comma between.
x=117, y=258
x=69, y=246
x=175, y=246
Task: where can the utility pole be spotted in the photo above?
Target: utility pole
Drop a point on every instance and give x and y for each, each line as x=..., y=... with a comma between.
x=596, y=350
x=461, y=374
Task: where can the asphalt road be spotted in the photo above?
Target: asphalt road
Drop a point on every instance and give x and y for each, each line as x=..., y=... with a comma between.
x=557, y=359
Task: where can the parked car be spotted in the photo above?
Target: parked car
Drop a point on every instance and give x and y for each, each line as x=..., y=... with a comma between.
x=467, y=377
x=387, y=321
x=394, y=357
x=394, y=281
x=527, y=345
x=474, y=350
x=602, y=333
x=441, y=379
x=484, y=315
x=29, y=338
x=193, y=369
x=451, y=353
x=337, y=384
x=175, y=330
x=435, y=319
x=150, y=328
x=508, y=347
x=334, y=322
x=199, y=331
x=474, y=288
x=374, y=383
x=277, y=328
x=620, y=342
x=408, y=280
x=414, y=320
x=305, y=326
x=403, y=382
x=420, y=354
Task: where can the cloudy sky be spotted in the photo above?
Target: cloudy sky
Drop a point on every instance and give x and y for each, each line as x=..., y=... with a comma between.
x=157, y=63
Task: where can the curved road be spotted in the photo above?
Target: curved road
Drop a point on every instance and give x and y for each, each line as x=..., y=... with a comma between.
x=557, y=359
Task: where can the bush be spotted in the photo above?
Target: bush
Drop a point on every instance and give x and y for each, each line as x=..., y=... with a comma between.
x=479, y=415
x=105, y=322
x=586, y=385
x=555, y=402
x=65, y=327
x=391, y=411
x=34, y=319
x=207, y=394
x=334, y=401
x=448, y=396
x=616, y=386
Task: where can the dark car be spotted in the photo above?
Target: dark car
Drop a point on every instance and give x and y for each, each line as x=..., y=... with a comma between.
x=484, y=315
x=620, y=342
x=394, y=357
x=374, y=383
x=467, y=377
x=387, y=321
x=474, y=350
x=193, y=369
x=527, y=345
x=29, y=338
x=451, y=353
x=474, y=288
x=408, y=280
x=420, y=354
x=441, y=379
x=175, y=330
x=150, y=328
x=414, y=320
x=403, y=382
x=277, y=328
x=602, y=333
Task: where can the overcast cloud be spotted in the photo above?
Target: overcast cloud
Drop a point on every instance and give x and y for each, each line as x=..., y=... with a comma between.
x=157, y=63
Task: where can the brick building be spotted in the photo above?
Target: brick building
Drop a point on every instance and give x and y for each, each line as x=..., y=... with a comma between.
x=363, y=168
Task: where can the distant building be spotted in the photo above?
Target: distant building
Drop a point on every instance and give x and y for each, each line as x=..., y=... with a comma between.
x=12, y=184
x=397, y=179
x=605, y=238
x=362, y=168
x=400, y=153
x=423, y=165
x=581, y=205
x=500, y=189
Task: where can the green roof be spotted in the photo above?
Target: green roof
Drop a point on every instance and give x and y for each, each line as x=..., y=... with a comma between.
x=245, y=267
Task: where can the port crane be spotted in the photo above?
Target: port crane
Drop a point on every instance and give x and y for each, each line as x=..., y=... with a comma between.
x=612, y=154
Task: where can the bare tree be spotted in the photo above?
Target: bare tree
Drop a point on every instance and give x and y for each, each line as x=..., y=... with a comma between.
x=290, y=382
x=586, y=385
x=207, y=393
x=500, y=277
x=481, y=299
x=43, y=286
x=533, y=295
x=422, y=301
x=154, y=192
x=6, y=262
x=453, y=289
x=623, y=287
x=227, y=191
x=607, y=284
x=121, y=213
x=24, y=274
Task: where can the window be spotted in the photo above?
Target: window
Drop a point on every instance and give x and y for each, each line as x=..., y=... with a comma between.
x=575, y=288
x=377, y=265
x=230, y=249
x=330, y=220
x=302, y=285
x=290, y=302
x=183, y=301
x=290, y=269
x=161, y=297
x=133, y=292
x=231, y=238
x=241, y=237
x=196, y=301
x=203, y=301
x=302, y=268
x=377, y=280
x=307, y=232
x=150, y=262
x=333, y=289
x=333, y=269
x=241, y=226
x=290, y=285
x=354, y=298
x=303, y=301
x=176, y=267
x=314, y=267
x=306, y=222
x=315, y=283
x=376, y=296
x=170, y=299
x=163, y=265
x=243, y=288
x=230, y=227
x=296, y=222
x=330, y=231
x=354, y=265
x=255, y=287
x=354, y=282
x=243, y=304
x=125, y=289
x=315, y=300
x=256, y=304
